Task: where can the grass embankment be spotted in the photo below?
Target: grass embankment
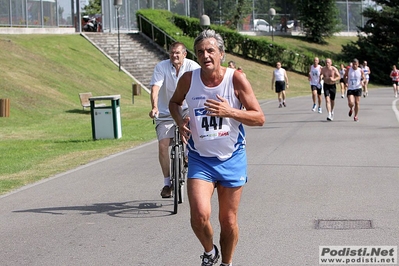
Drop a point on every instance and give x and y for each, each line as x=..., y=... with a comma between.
x=48, y=132
x=332, y=49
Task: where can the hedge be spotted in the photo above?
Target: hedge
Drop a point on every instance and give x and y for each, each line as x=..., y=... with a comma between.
x=185, y=29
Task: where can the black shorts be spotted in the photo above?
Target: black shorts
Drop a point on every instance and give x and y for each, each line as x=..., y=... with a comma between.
x=330, y=90
x=314, y=87
x=341, y=80
x=280, y=86
x=395, y=82
x=357, y=92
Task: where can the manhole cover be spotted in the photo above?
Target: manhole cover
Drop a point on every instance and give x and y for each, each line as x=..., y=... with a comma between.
x=344, y=224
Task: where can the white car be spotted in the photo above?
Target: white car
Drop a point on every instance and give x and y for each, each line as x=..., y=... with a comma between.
x=262, y=25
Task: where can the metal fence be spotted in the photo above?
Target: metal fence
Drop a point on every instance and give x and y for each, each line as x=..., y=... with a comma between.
x=64, y=13
x=127, y=12
x=37, y=13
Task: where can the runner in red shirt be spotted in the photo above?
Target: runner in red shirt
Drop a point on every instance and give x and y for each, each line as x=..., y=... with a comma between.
x=395, y=79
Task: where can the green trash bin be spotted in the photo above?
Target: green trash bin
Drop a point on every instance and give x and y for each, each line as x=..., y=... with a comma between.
x=106, y=119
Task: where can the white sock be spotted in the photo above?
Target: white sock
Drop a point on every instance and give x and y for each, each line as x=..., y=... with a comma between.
x=166, y=181
x=212, y=252
x=228, y=264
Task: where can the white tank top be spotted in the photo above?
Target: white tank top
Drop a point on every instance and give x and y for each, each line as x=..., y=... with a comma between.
x=366, y=71
x=354, y=79
x=213, y=136
x=342, y=73
x=279, y=74
x=315, y=75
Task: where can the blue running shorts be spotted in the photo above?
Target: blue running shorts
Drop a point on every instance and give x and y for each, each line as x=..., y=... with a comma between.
x=229, y=173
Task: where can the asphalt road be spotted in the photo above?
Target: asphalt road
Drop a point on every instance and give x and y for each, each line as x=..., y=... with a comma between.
x=311, y=183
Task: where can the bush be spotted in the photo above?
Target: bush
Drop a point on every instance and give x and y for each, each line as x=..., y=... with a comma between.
x=185, y=29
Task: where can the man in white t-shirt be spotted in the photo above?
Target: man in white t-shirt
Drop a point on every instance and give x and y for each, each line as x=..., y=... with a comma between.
x=163, y=85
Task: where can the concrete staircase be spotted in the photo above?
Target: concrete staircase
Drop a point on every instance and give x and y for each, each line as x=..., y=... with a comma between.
x=138, y=54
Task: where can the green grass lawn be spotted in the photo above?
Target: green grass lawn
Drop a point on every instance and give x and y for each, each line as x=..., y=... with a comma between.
x=331, y=49
x=48, y=132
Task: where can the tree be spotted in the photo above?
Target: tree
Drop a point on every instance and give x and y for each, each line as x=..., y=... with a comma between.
x=93, y=8
x=236, y=15
x=318, y=18
x=378, y=40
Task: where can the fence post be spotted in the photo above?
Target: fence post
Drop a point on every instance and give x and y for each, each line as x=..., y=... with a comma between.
x=136, y=89
x=4, y=107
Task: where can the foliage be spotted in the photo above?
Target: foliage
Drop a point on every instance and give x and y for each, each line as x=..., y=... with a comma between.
x=186, y=29
x=164, y=21
x=93, y=8
x=378, y=40
x=318, y=18
x=234, y=12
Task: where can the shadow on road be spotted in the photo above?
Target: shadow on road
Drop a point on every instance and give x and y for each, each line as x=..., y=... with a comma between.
x=129, y=209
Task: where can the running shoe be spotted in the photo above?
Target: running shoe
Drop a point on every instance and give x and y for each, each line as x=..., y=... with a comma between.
x=320, y=111
x=208, y=260
x=342, y=96
x=350, y=112
x=355, y=119
x=314, y=108
x=280, y=105
x=166, y=192
x=332, y=115
x=329, y=117
x=284, y=104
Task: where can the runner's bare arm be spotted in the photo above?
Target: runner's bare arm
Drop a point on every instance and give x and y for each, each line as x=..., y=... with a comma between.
x=252, y=115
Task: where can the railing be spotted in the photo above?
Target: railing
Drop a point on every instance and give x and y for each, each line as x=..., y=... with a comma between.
x=159, y=36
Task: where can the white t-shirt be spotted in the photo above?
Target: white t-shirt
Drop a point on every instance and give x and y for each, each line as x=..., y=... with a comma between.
x=165, y=77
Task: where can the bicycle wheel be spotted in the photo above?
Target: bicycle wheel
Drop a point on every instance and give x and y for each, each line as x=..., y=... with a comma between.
x=175, y=175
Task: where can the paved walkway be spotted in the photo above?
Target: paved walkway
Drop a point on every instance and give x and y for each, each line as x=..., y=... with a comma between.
x=304, y=173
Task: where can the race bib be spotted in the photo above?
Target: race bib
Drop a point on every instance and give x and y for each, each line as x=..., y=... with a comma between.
x=210, y=127
x=353, y=82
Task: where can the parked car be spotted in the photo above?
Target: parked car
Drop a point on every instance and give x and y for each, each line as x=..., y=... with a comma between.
x=262, y=25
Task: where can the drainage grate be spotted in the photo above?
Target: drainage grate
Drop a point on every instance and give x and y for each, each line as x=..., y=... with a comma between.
x=344, y=224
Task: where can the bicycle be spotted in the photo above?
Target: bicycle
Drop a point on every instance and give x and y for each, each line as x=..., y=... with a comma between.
x=178, y=170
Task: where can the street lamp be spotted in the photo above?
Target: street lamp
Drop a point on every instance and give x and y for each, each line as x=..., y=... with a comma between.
x=118, y=4
x=220, y=12
x=205, y=22
x=272, y=13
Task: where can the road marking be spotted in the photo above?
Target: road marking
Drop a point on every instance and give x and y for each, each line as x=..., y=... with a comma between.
x=395, y=109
